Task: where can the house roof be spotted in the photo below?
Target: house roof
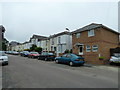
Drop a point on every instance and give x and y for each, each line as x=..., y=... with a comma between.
x=14, y=43
x=39, y=37
x=93, y=26
x=62, y=33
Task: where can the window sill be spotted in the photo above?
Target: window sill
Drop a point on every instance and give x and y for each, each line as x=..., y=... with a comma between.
x=91, y=36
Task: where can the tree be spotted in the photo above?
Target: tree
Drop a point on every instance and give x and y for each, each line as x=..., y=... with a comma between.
x=26, y=49
x=33, y=47
x=38, y=49
x=67, y=51
x=4, y=44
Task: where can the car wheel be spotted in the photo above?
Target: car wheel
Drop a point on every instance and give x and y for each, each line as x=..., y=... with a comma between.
x=56, y=61
x=71, y=63
x=111, y=63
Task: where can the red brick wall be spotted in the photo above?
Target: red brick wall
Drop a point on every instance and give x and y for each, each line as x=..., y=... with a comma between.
x=103, y=38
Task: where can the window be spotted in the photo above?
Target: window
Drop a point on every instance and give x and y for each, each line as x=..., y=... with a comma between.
x=95, y=48
x=88, y=48
x=78, y=35
x=59, y=40
x=59, y=48
x=69, y=56
x=52, y=41
x=51, y=48
x=90, y=33
x=46, y=42
x=64, y=55
x=54, y=48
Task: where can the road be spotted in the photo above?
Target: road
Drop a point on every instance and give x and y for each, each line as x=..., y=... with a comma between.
x=23, y=72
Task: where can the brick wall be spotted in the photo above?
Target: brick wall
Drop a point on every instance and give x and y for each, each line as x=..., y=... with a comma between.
x=103, y=38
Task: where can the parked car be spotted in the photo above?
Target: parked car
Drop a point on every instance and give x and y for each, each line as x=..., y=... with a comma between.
x=15, y=53
x=46, y=56
x=33, y=55
x=24, y=53
x=70, y=59
x=9, y=52
x=3, y=58
x=115, y=59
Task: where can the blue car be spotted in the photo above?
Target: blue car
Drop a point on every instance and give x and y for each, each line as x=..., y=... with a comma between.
x=70, y=59
x=25, y=53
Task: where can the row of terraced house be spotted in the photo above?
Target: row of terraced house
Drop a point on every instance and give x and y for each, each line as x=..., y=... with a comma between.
x=91, y=42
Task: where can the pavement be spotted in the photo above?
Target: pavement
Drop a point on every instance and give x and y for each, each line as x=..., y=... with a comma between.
x=23, y=72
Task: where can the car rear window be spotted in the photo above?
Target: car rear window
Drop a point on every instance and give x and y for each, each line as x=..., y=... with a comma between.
x=34, y=52
x=50, y=54
x=73, y=55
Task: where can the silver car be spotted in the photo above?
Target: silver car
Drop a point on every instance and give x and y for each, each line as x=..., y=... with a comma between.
x=115, y=58
x=3, y=58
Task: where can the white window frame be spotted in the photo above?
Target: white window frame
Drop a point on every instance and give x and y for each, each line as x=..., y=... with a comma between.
x=94, y=48
x=52, y=41
x=88, y=49
x=91, y=33
x=77, y=35
x=59, y=40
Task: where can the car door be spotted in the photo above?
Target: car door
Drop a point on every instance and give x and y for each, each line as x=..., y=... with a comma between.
x=63, y=58
x=68, y=58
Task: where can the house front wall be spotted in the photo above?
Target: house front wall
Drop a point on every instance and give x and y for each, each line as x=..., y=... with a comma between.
x=103, y=38
x=64, y=44
x=53, y=45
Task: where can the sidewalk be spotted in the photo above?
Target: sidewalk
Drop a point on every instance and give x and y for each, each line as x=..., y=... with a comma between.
x=105, y=67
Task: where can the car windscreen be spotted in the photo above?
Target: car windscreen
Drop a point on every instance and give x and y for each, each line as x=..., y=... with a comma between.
x=45, y=53
x=2, y=54
x=117, y=55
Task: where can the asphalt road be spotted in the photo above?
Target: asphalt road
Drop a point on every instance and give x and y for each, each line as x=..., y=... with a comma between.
x=23, y=72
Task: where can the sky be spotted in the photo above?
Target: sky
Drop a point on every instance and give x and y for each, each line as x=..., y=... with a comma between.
x=23, y=19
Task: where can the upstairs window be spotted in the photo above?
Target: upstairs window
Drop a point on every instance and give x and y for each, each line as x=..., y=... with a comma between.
x=95, y=48
x=52, y=41
x=90, y=33
x=78, y=35
x=59, y=40
x=88, y=48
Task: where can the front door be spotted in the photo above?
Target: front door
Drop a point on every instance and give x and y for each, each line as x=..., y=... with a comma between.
x=80, y=49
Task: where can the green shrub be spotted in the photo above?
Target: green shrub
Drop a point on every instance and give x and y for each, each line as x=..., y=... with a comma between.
x=101, y=58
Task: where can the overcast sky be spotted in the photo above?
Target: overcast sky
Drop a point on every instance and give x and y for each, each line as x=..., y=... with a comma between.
x=22, y=20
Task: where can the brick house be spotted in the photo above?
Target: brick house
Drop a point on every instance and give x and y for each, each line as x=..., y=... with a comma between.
x=94, y=41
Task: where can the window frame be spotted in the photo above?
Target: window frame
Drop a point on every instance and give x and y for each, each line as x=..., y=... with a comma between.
x=94, y=48
x=89, y=33
x=59, y=40
x=78, y=35
x=88, y=48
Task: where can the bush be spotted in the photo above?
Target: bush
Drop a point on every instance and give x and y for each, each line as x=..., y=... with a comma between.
x=101, y=58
